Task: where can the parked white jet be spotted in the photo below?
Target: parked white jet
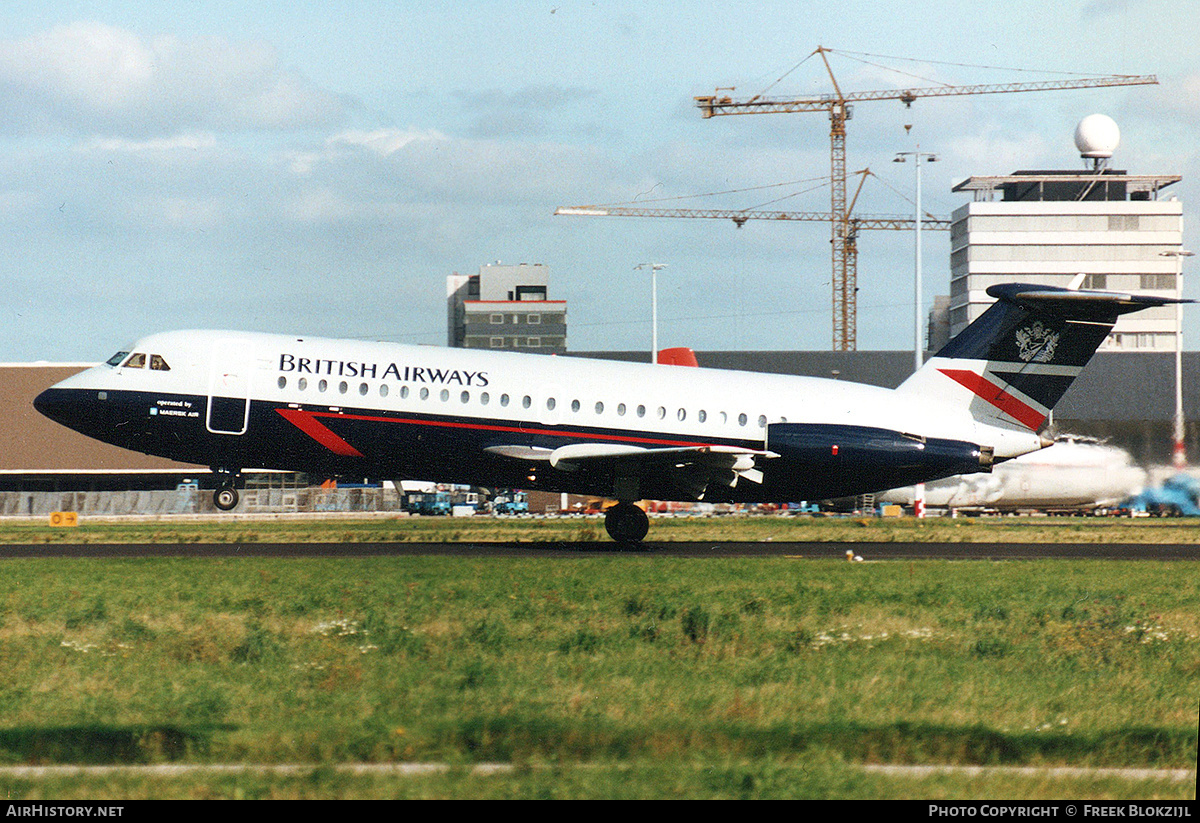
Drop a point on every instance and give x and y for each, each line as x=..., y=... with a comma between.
x=1070, y=475
x=234, y=401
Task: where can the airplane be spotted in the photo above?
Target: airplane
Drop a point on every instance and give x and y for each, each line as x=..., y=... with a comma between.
x=1070, y=475
x=629, y=431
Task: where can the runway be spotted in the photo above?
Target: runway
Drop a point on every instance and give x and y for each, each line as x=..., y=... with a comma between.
x=869, y=552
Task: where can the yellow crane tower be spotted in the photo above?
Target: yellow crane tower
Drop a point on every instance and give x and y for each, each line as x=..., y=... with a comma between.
x=838, y=106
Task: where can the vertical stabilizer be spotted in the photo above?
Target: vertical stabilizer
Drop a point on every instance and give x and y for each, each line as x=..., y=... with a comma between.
x=1015, y=362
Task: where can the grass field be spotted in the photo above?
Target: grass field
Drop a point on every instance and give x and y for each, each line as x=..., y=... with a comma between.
x=285, y=529
x=622, y=676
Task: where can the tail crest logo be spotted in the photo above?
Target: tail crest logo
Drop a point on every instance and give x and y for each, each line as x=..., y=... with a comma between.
x=1036, y=343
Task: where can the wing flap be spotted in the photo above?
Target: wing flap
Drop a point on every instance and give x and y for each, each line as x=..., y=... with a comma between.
x=521, y=452
x=693, y=468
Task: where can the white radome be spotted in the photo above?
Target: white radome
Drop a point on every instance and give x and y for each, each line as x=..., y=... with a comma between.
x=1097, y=135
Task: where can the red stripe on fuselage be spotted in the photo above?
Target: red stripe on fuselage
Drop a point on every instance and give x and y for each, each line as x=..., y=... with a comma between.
x=1019, y=410
x=308, y=423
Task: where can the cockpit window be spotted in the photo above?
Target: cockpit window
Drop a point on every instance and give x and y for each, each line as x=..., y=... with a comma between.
x=158, y=364
x=116, y=359
x=137, y=360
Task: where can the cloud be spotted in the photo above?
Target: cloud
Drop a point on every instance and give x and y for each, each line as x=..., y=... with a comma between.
x=91, y=78
x=187, y=141
x=385, y=141
x=525, y=111
x=1176, y=100
x=382, y=142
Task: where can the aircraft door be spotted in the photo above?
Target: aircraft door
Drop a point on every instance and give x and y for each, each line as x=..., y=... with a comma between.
x=230, y=368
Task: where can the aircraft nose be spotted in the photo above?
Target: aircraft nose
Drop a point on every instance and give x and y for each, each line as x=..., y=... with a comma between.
x=55, y=404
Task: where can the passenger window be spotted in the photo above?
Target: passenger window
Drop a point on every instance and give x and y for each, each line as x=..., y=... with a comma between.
x=137, y=360
x=158, y=364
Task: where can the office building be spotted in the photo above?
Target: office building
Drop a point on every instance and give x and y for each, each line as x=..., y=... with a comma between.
x=1047, y=227
x=506, y=307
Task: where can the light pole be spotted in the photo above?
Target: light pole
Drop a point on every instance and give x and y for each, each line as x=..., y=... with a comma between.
x=918, y=344
x=654, y=267
x=1179, y=453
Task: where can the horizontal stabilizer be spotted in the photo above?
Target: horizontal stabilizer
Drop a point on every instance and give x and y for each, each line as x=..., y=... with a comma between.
x=1078, y=303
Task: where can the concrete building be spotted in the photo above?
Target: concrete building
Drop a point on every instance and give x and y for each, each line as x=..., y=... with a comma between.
x=939, y=324
x=506, y=307
x=1046, y=227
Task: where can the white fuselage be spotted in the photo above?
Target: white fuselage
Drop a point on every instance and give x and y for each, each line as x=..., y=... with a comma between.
x=546, y=390
x=1068, y=475
x=237, y=401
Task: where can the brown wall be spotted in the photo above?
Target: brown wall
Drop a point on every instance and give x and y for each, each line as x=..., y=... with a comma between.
x=30, y=442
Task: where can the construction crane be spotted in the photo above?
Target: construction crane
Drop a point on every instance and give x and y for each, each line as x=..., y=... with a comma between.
x=846, y=309
x=843, y=241
x=741, y=216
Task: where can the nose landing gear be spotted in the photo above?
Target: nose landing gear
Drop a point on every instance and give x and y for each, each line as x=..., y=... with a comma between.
x=225, y=497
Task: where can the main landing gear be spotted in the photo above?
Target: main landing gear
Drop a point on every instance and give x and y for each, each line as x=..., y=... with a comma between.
x=225, y=497
x=626, y=523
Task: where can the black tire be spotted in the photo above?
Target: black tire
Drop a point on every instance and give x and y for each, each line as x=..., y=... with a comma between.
x=626, y=523
x=225, y=498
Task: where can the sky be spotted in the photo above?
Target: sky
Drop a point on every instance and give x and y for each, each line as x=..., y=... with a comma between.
x=321, y=169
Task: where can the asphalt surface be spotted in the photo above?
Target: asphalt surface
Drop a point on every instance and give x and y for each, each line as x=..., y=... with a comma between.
x=807, y=551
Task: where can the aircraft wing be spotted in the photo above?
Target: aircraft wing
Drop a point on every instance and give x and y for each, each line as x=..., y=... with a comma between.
x=691, y=468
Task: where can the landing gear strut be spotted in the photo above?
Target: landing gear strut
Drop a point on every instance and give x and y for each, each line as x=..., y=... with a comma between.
x=225, y=497
x=626, y=523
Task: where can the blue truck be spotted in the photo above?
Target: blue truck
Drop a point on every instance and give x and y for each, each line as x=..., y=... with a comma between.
x=1178, y=496
x=436, y=503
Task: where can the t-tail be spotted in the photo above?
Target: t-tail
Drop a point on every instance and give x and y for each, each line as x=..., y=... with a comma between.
x=1015, y=362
